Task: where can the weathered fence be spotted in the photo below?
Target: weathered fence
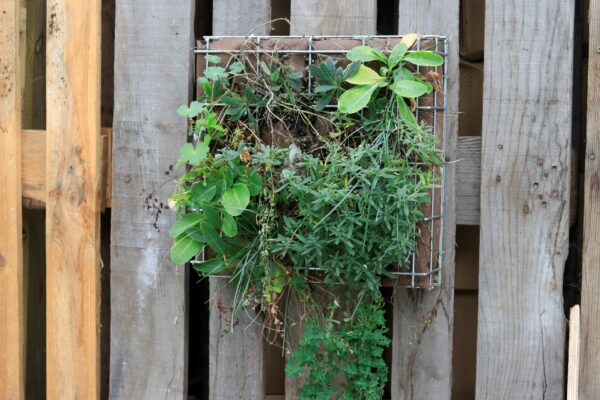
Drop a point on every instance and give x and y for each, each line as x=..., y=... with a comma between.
x=514, y=181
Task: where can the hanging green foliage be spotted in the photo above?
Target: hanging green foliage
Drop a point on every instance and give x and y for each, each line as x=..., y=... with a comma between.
x=305, y=196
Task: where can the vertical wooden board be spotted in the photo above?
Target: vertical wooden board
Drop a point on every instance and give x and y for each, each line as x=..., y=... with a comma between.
x=230, y=375
x=11, y=251
x=236, y=348
x=73, y=156
x=333, y=17
x=153, y=76
x=241, y=17
x=336, y=17
x=423, y=321
x=524, y=198
x=590, y=281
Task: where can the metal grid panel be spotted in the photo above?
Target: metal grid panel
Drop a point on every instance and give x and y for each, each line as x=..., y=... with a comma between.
x=409, y=275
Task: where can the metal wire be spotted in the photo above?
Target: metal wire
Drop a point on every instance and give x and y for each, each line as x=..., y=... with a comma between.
x=433, y=274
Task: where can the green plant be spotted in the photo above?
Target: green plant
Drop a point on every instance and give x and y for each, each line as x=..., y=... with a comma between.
x=294, y=198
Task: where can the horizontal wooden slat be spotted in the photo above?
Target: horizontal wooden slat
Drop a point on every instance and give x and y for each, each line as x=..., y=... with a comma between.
x=34, y=173
x=34, y=166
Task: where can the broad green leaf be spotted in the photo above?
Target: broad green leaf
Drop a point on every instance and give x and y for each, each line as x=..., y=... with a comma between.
x=398, y=52
x=215, y=73
x=196, y=234
x=235, y=199
x=212, y=217
x=183, y=110
x=254, y=182
x=212, y=59
x=210, y=267
x=193, y=155
x=213, y=240
x=202, y=194
x=366, y=53
x=185, y=248
x=424, y=58
x=365, y=76
x=356, y=99
x=236, y=67
x=409, y=88
x=192, y=111
x=229, y=227
x=184, y=223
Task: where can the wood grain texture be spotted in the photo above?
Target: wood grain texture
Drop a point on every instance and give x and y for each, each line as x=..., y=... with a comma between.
x=333, y=17
x=73, y=181
x=33, y=161
x=524, y=199
x=230, y=374
x=573, y=371
x=236, y=348
x=468, y=178
x=237, y=17
x=153, y=76
x=34, y=165
x=590, y=281
x=12, y=365
x=423, y=321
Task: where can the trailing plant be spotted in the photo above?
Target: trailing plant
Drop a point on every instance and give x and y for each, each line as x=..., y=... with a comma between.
x=305, y=196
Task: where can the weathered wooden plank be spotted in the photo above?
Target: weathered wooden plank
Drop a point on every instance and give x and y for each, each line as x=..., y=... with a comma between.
x=333, y=17
x=423, y=321
x=573, y=371
x=235, y=17
x=11, y=252
x=33, y=161
x=73, y=181
x=590, y=281
x=468, y=176
x=153, y=76
x=236, y=348
x=34, y=165
x=230, y=375
x=524, y=198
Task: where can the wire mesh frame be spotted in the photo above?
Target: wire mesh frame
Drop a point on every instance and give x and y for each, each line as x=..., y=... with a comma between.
x=433, y=275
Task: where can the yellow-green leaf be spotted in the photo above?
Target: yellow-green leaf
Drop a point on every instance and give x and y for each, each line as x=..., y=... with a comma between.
x=409, y=40
x=235, y=199
x=364, y=76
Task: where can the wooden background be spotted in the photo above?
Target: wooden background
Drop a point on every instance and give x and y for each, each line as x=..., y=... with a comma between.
x=85, y=128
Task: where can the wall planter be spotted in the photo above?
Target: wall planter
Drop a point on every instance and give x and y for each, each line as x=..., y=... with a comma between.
x=313, y=176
